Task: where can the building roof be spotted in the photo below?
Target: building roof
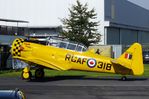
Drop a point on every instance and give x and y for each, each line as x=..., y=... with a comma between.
x=119, y=25
x=41, y=27
x=124, y=14
x=11, y=20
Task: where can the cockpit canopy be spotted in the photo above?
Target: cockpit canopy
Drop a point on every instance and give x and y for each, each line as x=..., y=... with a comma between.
x=67, y=45
x=57, y=42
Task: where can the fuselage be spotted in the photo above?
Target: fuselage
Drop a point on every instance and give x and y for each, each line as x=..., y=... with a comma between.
x=87, y=61
x=44, y=56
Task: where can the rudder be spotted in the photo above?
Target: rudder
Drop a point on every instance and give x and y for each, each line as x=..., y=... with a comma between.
x=132, y=59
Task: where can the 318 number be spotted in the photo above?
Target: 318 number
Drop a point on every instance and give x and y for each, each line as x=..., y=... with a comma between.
x=104, y=66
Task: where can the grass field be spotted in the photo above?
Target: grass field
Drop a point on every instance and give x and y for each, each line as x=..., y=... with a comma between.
x=146, y=70
x=52, y=73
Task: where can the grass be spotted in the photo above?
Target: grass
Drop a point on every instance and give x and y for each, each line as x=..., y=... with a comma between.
x=146, y=70
x=10, y=73
x=52, y=73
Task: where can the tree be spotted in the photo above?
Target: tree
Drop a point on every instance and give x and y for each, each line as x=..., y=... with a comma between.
x=80, y=26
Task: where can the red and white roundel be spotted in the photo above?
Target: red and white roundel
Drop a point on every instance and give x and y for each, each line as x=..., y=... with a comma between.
x=91, y=63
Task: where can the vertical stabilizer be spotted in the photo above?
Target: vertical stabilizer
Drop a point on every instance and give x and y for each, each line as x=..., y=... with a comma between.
x=132, y=59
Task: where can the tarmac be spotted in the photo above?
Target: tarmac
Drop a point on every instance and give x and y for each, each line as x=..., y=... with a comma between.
x=78, y=87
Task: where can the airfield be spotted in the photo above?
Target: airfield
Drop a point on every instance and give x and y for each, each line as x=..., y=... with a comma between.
x=77, y=87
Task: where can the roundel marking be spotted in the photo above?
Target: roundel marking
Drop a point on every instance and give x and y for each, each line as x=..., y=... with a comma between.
x=91, y=63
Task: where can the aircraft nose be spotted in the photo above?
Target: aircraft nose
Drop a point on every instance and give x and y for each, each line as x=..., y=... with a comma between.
x=16, y=47
x=21, y=48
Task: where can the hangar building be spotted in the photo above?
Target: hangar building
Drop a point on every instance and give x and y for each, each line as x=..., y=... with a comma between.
x=126, y=23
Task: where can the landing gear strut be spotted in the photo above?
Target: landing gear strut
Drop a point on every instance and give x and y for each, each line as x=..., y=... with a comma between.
x=26, y=73
x=39, y=73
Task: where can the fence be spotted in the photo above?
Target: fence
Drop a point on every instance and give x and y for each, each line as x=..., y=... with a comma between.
x=4, y=56
x=7, y=62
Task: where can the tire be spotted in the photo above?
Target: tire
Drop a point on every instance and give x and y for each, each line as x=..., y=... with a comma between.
x=124, y=78
x=39, y=73
x=26, y=75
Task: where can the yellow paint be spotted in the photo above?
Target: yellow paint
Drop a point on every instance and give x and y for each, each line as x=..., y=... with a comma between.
x=26, y=75
x=26, y=69
x=64, y=59
x=104, y=50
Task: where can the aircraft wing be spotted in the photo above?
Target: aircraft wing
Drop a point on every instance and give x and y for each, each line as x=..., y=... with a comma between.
x=48, y=64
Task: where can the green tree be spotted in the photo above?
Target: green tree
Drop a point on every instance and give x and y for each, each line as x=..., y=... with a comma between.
x=81, y=26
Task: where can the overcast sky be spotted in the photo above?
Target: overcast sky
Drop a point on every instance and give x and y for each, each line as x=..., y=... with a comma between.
x=143, y=3
x=45, y=12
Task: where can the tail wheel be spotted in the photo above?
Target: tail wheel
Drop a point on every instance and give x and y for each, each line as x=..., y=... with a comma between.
x=124, y=78
x=39, y=73
x=26, y=75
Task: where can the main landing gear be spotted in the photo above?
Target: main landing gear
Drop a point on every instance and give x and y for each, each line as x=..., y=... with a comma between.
x=39, y=73
x=27, y=75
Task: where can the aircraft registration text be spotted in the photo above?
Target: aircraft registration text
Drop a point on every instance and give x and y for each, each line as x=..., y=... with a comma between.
x=92, y=63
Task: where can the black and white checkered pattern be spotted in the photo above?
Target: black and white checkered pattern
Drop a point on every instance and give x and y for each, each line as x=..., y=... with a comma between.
x=16, y=47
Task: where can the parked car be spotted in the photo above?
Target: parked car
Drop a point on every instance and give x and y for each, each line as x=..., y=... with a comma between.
x=146, y=56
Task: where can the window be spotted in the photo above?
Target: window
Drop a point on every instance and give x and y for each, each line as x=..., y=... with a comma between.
x=3, y=30
x=84, y=49
x=14, y=30
x=9, y=30
x=63, y=45
x=71, y=46
x=0, y=30
x=79, y=48
x=20, y=31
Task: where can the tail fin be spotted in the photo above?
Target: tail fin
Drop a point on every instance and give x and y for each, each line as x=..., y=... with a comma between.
x=132, y=59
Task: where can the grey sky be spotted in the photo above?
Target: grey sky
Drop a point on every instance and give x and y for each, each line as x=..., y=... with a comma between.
x=45, y=12
x=38, y=12
x=143, y=3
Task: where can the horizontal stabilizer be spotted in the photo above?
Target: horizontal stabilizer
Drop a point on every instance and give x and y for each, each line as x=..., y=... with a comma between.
x=132, y=59
x=122, y=63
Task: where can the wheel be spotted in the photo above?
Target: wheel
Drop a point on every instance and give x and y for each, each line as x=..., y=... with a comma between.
x=124, y=78
x=39, y=73
x=26, y=75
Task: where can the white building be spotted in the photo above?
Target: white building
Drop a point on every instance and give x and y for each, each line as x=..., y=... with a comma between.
x=121, y=22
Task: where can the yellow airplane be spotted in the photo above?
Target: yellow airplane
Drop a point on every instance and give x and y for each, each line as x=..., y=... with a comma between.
x=43, y=56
